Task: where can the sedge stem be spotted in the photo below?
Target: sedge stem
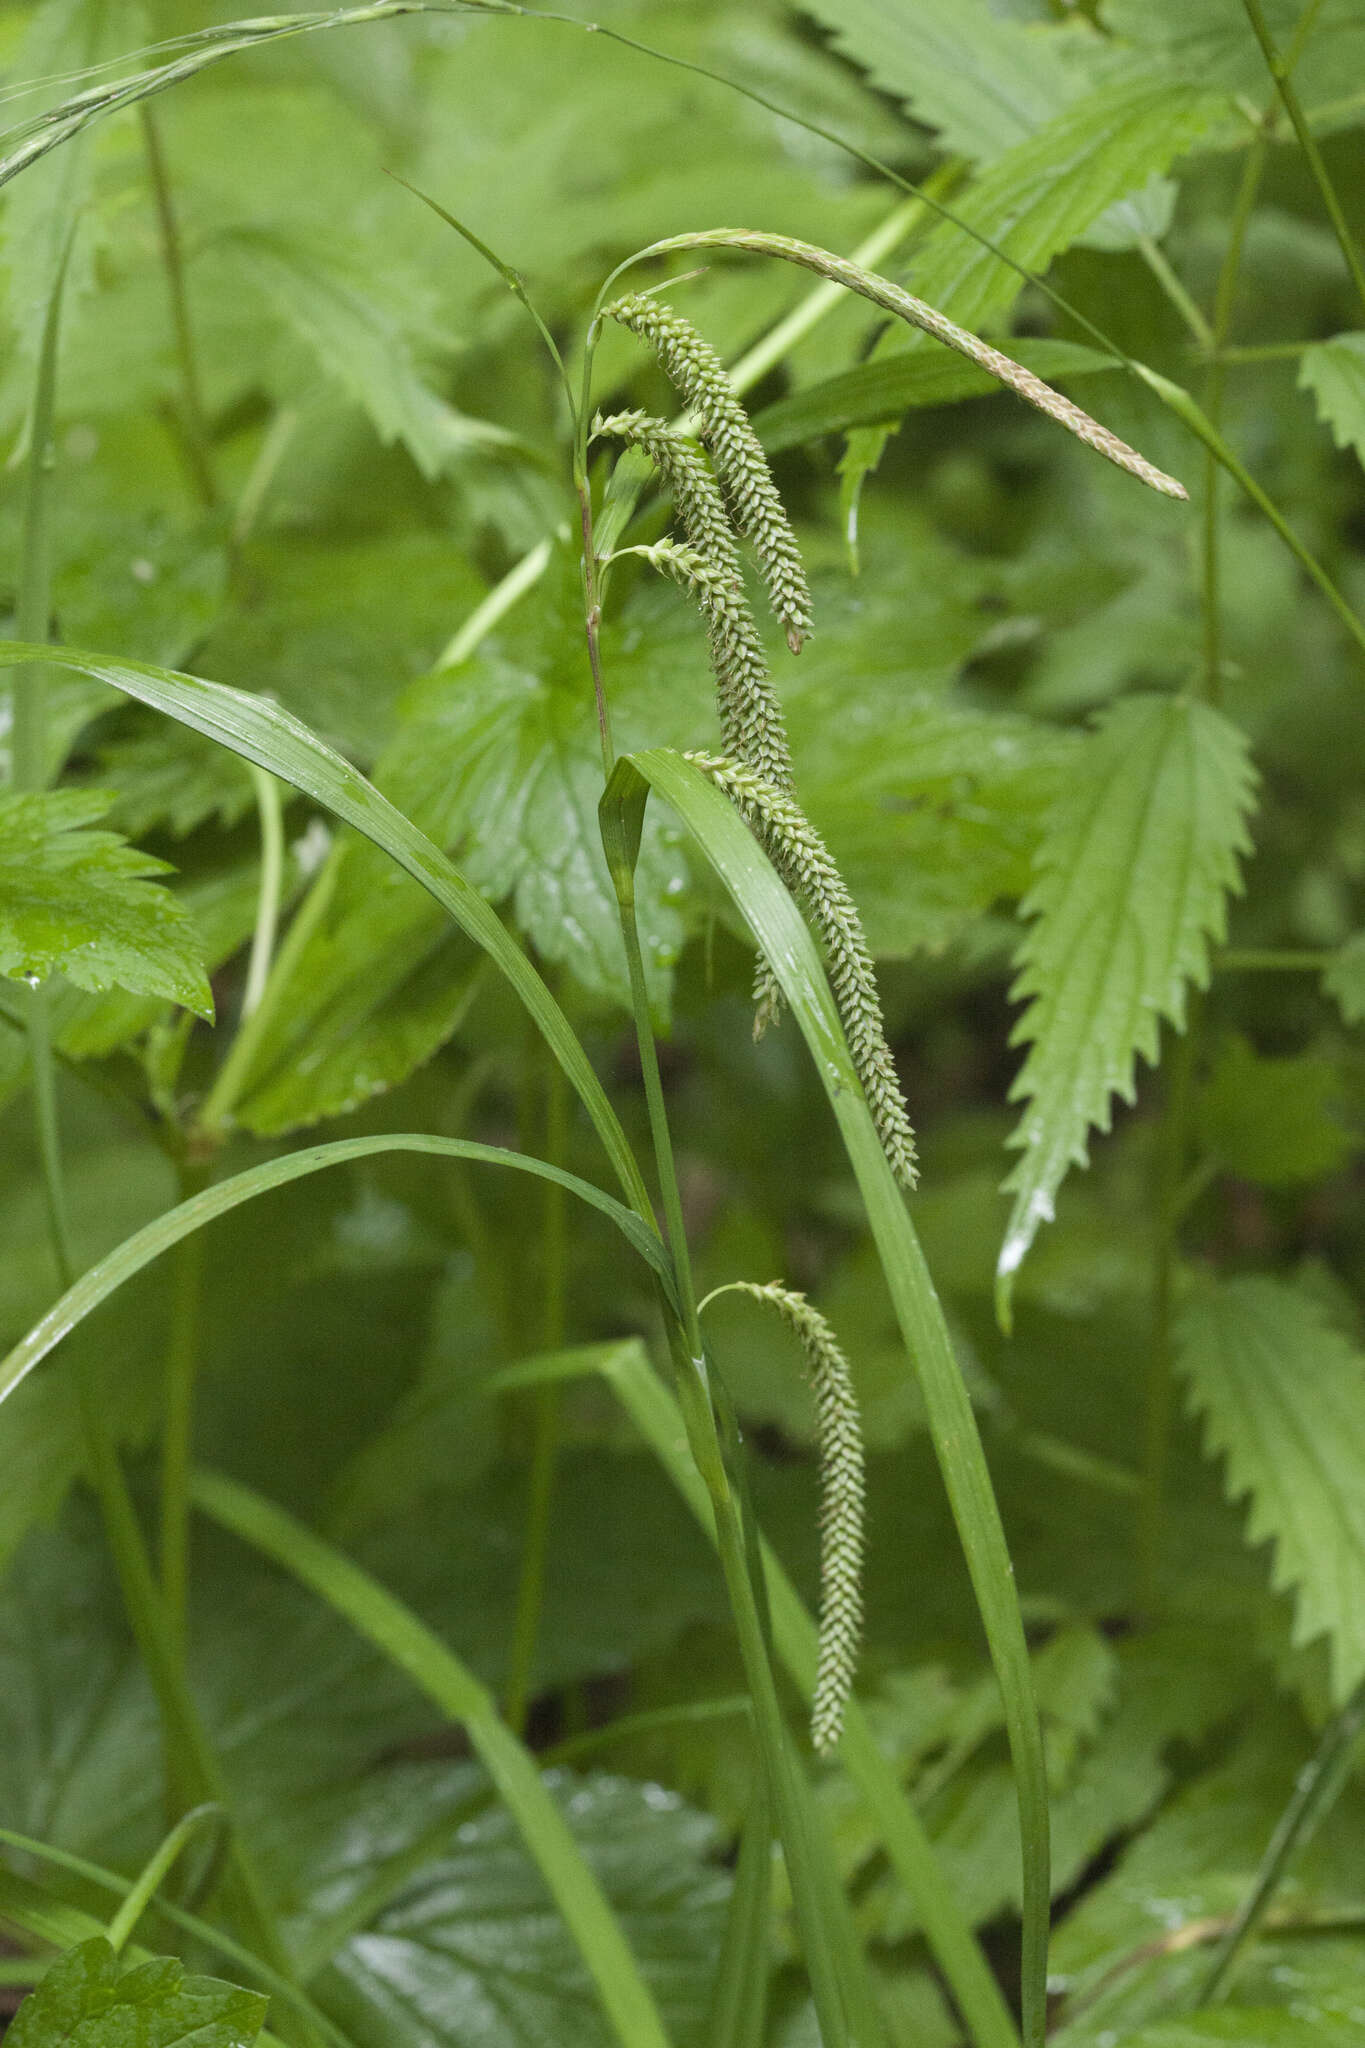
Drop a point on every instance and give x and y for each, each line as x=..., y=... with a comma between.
x=193, y=421
x=1280, y=69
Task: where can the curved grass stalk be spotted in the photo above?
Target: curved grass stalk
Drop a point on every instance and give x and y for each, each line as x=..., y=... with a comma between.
x=174, y=1225
x=161, y=1863
x=262, y=732
x=1281, y=69
x=894, y=299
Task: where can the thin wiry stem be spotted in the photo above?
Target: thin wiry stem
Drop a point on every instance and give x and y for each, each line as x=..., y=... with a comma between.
x=1280, y=69
x=194, y=419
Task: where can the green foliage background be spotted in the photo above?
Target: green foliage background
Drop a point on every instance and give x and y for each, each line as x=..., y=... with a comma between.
x=1090, y=763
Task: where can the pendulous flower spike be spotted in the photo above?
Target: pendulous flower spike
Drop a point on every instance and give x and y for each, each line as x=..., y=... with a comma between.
x=807, y=866
x=696, y=371
x=839, y=1437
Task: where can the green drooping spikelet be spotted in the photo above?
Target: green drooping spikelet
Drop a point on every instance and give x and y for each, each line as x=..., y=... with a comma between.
x=808, y=868
x=696, y=371
x=688, y=478
x=840, y=1439
x=750, y=714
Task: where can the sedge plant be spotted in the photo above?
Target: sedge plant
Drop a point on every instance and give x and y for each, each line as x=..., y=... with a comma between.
x=692, y=501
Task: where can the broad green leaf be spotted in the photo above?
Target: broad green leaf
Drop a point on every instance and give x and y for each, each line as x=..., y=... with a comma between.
x=1270, y=1120
x=1119, y=1958
x=40, y=218
x=377, y=986
x=1208, y=42
x=1037, y=198
x=894, y=384
x=221, y=906
x=1282, y=1395
x=87, y=2000
x=79, y=903
x=168, y=777
x=1131, y=884
x=259, y=731
x=469, y=1946
x=1243, y=2026
x=392, y=1628
x=1344, y=979
x=338, y=627
x=505, y=763
x=356, y=339
x=1334, y=371
x=983, y=81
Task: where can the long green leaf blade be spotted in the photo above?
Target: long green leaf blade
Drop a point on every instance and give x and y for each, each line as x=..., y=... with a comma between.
x=397, y=1632
x=1282, y=1395
x=262, y=732
x=768, y=909
x=1133, y=876
x=164, y=1231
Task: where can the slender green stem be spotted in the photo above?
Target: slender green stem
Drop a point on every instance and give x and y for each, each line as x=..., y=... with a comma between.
x=1280, y=70
x=545, y=1434
x=739, y=1995
x=262, y=474
x=1172, y=1145
x=191, y=1764
x=1267, y=352
x=235, y=1071
x=194, y=425
x=1271, y=960
x=271, y=812
x=1179, y=401
x=154, y=1872
x=29, y=743
x=1315, y=1793
x=1157, y=261
x=1225, y=298
x=177, y=1424
x=521, y=577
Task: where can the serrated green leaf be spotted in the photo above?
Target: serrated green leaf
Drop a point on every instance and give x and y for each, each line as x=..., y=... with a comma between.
x=1211, y=43
x=357, y=340
x=1131, y=1953
x=1270, y=1120
x=1132, y=877
x=470, y=1947
x=1282, y=1395
x=88, y=2001
x=1334, y=371
x=983, y=81
x=1344, y=979
x=504, y=764
x=78, y=903
x=166, y=776
x=1041, y=195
